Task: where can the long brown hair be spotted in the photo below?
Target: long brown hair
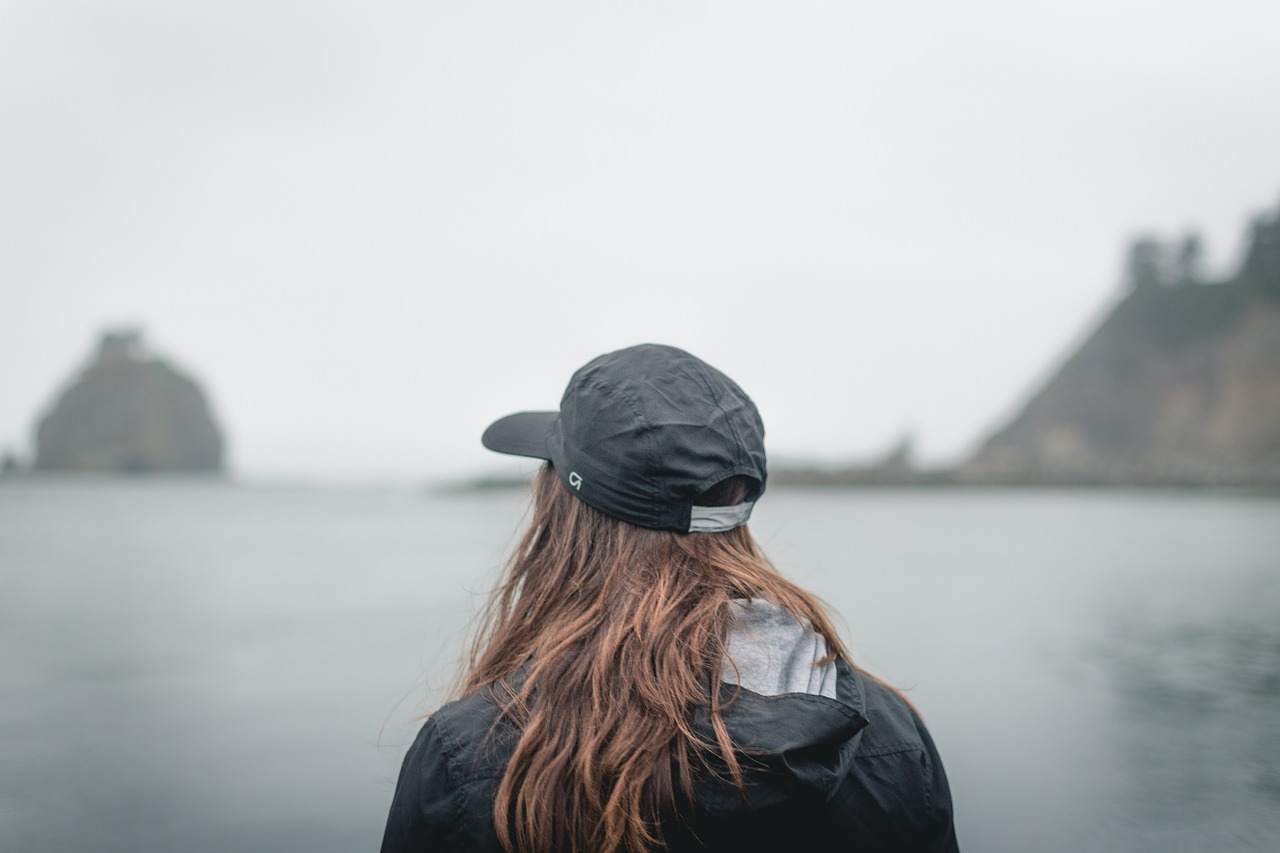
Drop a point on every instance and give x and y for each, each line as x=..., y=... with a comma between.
x=619, y=631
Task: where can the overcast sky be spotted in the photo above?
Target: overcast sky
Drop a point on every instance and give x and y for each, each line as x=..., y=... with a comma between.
x=371, y=228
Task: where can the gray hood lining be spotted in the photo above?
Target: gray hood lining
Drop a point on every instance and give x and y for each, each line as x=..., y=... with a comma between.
x=771, y=652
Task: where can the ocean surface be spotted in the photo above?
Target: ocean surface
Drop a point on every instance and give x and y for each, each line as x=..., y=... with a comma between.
x=204, y=666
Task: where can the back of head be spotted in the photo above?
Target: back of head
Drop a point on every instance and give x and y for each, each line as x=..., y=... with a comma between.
x=610, y=625
x=601, y=641
x=641, y=435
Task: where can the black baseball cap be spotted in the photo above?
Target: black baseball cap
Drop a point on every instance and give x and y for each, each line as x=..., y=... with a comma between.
x=641, y=433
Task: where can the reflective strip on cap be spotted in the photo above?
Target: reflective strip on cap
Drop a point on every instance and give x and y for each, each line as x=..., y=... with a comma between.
x=715, y=519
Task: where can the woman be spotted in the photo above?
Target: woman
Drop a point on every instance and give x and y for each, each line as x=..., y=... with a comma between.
x=644, y=678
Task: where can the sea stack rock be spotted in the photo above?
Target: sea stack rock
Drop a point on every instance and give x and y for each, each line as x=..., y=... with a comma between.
x=129, y=412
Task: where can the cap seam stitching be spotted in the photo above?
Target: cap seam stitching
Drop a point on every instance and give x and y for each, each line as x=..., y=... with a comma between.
x=615, y=392
x=737, y=439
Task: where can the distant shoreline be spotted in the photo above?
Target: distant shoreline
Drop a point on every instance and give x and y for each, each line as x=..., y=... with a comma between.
x=942, y=479
x=800, y=478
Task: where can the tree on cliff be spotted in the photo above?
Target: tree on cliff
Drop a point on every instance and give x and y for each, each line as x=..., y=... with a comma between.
x=1151, y=263
x=1262, y=261
x=1190, y=260
x=1145, y=264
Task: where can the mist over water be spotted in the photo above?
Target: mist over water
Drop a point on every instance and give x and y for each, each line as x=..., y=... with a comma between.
x=200, y=666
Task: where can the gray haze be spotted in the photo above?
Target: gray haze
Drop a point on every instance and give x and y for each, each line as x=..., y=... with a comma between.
x=370, y=228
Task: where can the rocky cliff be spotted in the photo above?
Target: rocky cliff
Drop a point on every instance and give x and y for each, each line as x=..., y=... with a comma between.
x=1179, y=384
x=129, y=412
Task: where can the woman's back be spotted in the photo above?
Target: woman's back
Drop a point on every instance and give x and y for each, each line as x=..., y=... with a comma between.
x=838, y=762
x=643, y=677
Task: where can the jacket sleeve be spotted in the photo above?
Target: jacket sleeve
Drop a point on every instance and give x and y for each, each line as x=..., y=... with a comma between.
x=425, y=809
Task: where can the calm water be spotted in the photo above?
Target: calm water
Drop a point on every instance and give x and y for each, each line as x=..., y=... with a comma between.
x=203, y=667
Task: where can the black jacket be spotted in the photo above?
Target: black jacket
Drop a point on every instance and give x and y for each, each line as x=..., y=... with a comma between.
x=856, y=772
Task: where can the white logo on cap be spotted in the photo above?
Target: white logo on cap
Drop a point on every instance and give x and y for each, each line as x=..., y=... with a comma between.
x=575, y=479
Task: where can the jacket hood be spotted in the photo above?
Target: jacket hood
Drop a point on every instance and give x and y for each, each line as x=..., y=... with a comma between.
x=796, y=724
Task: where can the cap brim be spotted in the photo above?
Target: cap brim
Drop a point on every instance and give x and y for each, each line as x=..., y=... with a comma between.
x=521, y=434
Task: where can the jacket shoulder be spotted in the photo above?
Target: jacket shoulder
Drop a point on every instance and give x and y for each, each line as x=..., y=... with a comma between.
x=444, y=796
x=892, y=724
x=897, y=782
x=478, y=742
